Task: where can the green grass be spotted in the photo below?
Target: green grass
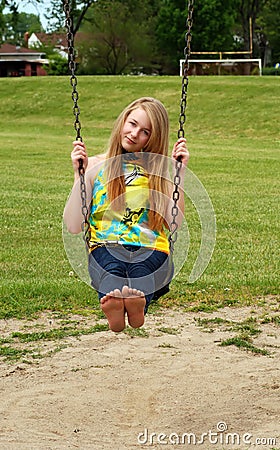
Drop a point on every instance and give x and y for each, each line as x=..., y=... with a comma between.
x=168, y=330
x=11, y=347
x=245, y=330
x=233, y=137
x=59, y=333
x=244, y=342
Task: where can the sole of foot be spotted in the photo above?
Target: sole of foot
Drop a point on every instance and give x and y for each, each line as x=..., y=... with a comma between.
x=112, y=304
x=134, y=303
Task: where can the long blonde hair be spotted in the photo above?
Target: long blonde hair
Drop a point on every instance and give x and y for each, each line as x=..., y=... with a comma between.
x=157, y=167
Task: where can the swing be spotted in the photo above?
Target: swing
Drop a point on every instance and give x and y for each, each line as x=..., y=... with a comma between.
x=173, y=233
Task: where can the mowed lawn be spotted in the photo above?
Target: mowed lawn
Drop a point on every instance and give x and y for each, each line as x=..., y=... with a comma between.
x=233, y=137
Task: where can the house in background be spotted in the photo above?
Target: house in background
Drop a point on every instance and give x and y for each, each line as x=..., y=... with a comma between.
x=18, y=61
x=30, y=60
x=57, y=41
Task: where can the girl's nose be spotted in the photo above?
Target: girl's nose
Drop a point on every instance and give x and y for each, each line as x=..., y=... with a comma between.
x=134, y=132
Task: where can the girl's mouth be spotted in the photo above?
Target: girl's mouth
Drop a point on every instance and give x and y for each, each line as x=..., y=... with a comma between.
x=130, y=140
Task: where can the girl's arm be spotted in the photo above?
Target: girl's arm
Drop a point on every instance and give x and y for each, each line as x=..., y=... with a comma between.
x=72, y=215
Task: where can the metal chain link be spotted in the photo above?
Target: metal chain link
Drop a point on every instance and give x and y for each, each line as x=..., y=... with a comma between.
x=185, y=78
x=76, y=112
x=173, y=234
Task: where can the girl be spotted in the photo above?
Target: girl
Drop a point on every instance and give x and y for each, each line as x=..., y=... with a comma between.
x=130, y=197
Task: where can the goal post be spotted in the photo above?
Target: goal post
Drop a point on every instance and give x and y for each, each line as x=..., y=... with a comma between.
x=223, y=66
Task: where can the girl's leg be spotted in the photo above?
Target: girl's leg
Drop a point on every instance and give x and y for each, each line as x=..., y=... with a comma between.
x=108, y=278
x=141, y=275
x=109, y=271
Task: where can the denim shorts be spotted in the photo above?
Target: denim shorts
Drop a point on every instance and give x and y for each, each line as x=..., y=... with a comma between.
x=113, y=266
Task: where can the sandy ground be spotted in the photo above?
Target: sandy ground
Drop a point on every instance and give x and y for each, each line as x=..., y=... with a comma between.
x=114, y=391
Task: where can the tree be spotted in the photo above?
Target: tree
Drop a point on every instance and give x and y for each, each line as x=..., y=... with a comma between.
x=78, y=10
x=257, y=21
x=13, y=30
x=13, y=24
x=213, y=25
x=169, y=32
x=127, y=34
x=213, y=22
x=12, y=5
x=249, y=10
x=55, y=12
x=120, y=39
x=268, y=32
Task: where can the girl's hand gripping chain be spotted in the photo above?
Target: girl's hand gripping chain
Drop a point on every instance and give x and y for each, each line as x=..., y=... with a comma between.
x=180, y=151
x=79, y=153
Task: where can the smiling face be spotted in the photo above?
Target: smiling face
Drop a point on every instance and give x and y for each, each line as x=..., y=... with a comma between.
x=136, y=131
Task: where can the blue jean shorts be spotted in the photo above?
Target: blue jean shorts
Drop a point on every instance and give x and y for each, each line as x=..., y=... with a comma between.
x=114, y=266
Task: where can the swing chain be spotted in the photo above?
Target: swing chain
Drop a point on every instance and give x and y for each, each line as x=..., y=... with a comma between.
x=76, y=112
x=185, y=78
x=173, y=234
x=72, y=68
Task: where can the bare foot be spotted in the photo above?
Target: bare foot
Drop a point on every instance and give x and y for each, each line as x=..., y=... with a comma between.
x=134, y=303
x=112, y=304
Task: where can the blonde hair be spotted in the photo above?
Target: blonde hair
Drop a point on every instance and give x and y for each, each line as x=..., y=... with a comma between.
x=157, y=167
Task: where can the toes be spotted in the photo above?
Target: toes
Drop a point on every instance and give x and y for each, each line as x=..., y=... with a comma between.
x=125, y=291
x=103, y=299
x=137, y=293
x=116, y=293
x=131, y=292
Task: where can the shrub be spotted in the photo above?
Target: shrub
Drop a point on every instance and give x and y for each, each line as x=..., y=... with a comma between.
x=271, y=71
x=57, y=65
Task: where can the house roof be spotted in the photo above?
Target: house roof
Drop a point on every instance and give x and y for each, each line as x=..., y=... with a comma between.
x=52, y=39
x=58, y=39
x=13, y=49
